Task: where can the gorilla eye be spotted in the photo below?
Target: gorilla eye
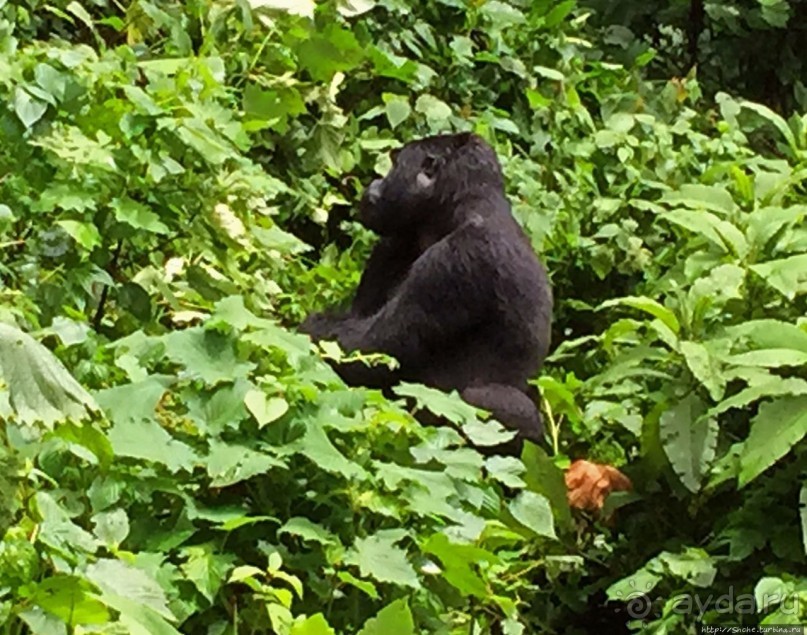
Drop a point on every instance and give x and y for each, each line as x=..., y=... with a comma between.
x=429, y=165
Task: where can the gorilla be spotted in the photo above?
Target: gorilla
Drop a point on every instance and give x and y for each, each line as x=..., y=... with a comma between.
x=453, y=289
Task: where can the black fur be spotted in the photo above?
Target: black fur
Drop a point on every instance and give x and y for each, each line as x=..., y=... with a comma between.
x=453, y=289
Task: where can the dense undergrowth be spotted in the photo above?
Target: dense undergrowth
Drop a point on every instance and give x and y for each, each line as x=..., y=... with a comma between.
x=176, y=183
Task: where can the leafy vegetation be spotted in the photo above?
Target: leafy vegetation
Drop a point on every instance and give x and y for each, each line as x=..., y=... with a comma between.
x=175, y=190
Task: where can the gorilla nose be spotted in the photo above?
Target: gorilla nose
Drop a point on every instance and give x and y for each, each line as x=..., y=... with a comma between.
x=373, y=193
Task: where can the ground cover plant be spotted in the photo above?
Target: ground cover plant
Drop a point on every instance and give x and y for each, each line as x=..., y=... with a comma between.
x=176, y=192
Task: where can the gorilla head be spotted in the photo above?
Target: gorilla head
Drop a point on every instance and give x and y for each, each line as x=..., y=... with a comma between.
x=428, y=179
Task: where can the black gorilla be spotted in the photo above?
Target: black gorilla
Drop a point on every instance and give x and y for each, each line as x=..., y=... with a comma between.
x=453, y=290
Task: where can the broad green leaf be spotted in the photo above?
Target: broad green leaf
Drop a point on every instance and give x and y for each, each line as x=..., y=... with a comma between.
x=769, y=358
x=69, y=598
x=364, y=586
x=393, y=618
x=544, y=477
x=115, y=577
x=450, y=406
x=719, y=232
x=787, y=275
x=207, y=355
x=433, y=108
x=560, y=11
x=637, y=584
x=549, y=73
x=773, y=387
x=331, y=50
x=397, y=109
x=28, y=109
x=692, y=565
x=378, y=557
x=207, y=571
x=507, y=470
x=265, y=409
x=767, y=222
x=534, y=512
x=85, y=234
x=705, y=367
x=137, y=617
x=148, y=441
x=231, y=463
x=648, y=305
x=319, y=449
x=314, y=625
x=38, y=386
x=138, y=215
x=689, y=440
x=111, y=527
x=778, y=426
x=770, y=334
x=501, y=14
x=702, y=197
x=308, y=530
x=458, y=562
x=777, y=121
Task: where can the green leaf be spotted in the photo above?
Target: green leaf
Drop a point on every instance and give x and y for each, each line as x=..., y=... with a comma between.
x=364, y=586
x=397, y=109
x=769, y=334
x=777, y=121
x=393, y=618
x=702, y=197
x=778, y=426
x=137, y=215
x=330, y=51
x=265, y=409
x=449, y=406
x=648, y=305
x=148, y=441
x=459, y=562
x=787, y=275
x=115, y=577
x=689, y=440
x=769, y=358
x=719, y=232
x=28, y=109
x=38, y=386
x=314, y=625
x=307, y=530
x=547, y=479
x=230, y=463
x=69, y=598
x=434, y=109
x=535, y=513
x=111, y=527
x=559, y=12
x=207, y=570
x=507, y=470
x=206, y=355
x=705, y=367
x=85, y=234
x=378, y=557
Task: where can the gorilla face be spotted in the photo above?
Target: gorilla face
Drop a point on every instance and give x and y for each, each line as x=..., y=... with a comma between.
x=408, y=197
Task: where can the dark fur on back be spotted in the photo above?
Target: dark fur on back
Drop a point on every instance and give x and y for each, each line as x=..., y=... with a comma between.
x=453, y=289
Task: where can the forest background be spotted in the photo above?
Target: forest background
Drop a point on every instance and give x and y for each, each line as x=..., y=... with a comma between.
x=177, y=182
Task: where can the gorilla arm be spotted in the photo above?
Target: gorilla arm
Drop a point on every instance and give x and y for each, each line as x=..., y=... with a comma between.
x=385, y=268
x=445, y=293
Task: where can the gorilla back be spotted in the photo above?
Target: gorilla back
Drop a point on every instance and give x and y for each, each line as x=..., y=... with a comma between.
x=453, y=288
